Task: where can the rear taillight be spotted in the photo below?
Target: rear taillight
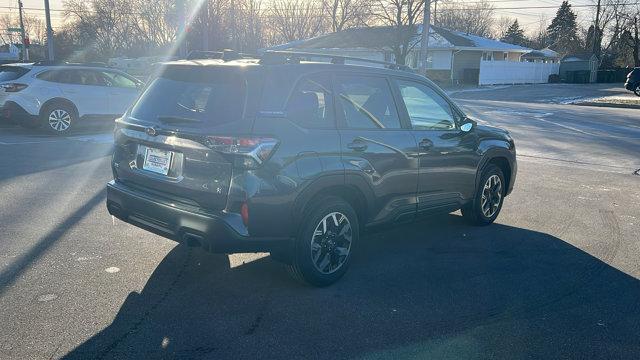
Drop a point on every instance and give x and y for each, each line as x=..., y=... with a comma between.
x=250, y=151
x=13, y=87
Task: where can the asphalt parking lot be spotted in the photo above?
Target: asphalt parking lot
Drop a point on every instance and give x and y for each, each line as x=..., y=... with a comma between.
x=557, y=276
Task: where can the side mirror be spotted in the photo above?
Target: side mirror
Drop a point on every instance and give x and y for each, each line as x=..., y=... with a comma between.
x=467, y=125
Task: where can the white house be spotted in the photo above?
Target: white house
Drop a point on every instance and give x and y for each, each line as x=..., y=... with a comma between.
x=454, y=57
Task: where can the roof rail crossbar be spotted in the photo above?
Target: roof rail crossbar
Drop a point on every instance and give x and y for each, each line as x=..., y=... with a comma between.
x=284, y=57
x=224, y=55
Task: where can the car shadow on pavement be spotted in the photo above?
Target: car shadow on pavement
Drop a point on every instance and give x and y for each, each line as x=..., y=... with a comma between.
x=434, y=289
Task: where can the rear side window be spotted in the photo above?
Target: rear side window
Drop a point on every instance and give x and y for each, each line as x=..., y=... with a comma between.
x=61, y=76
x=367, y=103
x=212, y=101
x=311, y=104
x=10, y=73
x=49, y=76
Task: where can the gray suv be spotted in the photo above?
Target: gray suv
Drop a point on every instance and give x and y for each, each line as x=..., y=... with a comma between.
x=293, y=156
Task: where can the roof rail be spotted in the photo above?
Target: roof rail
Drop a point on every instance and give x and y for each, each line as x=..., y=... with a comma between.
x=65, y=63
x=224, y=55
x=293, y=57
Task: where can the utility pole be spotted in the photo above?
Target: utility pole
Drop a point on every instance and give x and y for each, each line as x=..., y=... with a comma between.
x=205, y=25
x=596, y=32
x=182, y=28
x=24, y=55
x=47, y=14
x=435, y=12
x=424, y=43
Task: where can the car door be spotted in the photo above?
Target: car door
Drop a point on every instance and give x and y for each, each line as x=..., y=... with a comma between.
x=123, y=90
x=448, y=157
x=377, y=147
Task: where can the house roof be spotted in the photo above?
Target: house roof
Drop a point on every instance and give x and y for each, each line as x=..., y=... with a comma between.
x=579, y=57
x=542, y=54
x=378, y=37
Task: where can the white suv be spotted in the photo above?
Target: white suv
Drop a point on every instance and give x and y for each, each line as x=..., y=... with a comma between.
x=57, y=97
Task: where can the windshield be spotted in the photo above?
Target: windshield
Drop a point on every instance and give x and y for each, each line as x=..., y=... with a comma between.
x=192, y=103
x=9, y=73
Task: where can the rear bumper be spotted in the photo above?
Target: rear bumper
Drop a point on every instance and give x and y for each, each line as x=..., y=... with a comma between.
x=14, y=113
x=631, y=86
x=220, y=232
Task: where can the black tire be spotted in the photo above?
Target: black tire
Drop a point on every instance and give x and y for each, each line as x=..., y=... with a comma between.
x=637, y=90
x=474, y=212
x=302, y=267
x=65, y=115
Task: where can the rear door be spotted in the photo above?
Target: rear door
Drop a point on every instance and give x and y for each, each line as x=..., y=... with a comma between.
x=163, y=142
x=123, y=91
x=86, y=88
x=448, y=158
x=376, y=145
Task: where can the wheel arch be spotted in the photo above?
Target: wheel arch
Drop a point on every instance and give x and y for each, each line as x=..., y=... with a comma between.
x=60, y=100
x=505, y=166
x=503, y=158
x=332, y=186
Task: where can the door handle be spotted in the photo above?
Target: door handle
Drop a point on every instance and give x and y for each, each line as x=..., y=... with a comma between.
x=426, y=144
x=357, y=145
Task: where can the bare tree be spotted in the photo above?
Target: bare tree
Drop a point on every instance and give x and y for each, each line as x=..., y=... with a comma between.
x=403, y=16
x=539, y=38
x=157, y=22
x=501, y=26
x=347, y=13
x=295, y=19
x=472, y=18
x=251, y=30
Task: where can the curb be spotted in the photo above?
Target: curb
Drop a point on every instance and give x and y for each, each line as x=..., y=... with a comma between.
x=608, y=105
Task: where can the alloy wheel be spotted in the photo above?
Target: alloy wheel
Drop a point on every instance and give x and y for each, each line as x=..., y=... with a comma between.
x=331, y=243
x=491, y=196
x=59, y=120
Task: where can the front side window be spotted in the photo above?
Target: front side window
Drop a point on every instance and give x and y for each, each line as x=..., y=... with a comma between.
x=311, y=105
x=427, y=109
x=119, y=80
x=367, y=103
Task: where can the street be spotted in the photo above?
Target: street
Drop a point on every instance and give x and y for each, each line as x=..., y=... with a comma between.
x=557, y=275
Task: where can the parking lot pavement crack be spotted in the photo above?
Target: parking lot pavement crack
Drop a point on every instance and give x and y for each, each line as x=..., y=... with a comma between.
x=261, y=313
x=161, y=299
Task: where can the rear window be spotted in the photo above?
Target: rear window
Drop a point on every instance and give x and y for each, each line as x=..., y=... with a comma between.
x=204, y=100
x=9, y=73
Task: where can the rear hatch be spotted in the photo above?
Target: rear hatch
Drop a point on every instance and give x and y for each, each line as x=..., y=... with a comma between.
x=8, y=76
x=165, y=143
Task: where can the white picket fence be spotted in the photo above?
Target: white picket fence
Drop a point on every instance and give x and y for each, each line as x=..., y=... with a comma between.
x=513, y=72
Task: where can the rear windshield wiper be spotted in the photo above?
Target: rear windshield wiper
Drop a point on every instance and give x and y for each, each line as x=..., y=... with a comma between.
x=177, y=119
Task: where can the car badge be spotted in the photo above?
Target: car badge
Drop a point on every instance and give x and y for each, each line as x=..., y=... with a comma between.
x=150, y=131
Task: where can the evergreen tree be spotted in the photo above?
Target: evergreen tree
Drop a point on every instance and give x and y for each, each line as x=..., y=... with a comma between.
x=563, y=31
x=514, y=35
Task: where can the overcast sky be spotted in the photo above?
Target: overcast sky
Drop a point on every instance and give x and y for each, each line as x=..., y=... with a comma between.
x=529, y=18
